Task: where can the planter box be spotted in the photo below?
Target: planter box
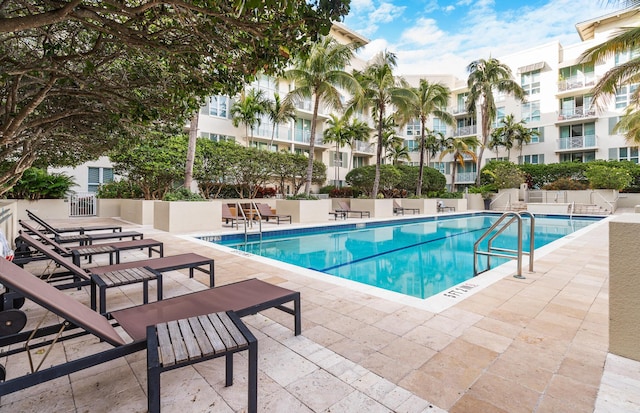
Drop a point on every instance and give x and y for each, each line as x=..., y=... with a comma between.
x=186, y=216
x=304, y=210
x=138, y=211
x=475, y=202
x=379, y=208
x=426, y=205
x=458, y=205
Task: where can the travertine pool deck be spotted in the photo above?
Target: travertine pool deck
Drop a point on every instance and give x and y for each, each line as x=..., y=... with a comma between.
x=533, y=345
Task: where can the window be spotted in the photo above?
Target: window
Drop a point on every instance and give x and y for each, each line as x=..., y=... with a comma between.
x=358, y=161
x=501, y=158
x=624, y=154
x=531, y=111
x=539, y=137
x=218, y=106
x=623, y=95
x=99, y=176
x=412, y=145
x=533, y=159
x=304, y=152
x=439, y=126
x=576, y=107
x=216, y=137
x=578, y=156
x=268, y=84
x=413, y=127
x=581, y=135
x=530, y=82
x=339, y=159
x=624, y=57
x=302, y=130
x=499, y=116
x=577, y=76
x=443, y=167
x=264, y=146
x=461, y=101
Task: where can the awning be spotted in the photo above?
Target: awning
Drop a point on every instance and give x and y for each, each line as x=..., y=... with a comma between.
x=531, y=68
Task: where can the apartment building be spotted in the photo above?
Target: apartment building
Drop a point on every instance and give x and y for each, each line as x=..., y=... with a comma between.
x=559, y=106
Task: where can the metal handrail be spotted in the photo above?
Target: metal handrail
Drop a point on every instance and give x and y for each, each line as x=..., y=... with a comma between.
x=505, y=252
x=253, y=208
x=500, y=196
x=611, y=205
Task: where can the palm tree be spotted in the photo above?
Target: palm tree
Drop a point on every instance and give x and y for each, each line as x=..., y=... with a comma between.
x=627, y=73
x=337, y=133
x=249, y=110
x=380, y=89
x=509, y=132
x=434, y=143
x=390, y=137
x=495, y=143
x=279, y=111
x=428, y=99
x=318, y=76
x=398, y=151
x=358, y=131
x=485, y=76
x=461, y=149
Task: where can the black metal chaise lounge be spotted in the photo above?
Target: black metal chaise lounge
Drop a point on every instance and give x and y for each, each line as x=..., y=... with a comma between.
x=265, y=212
x=81, y=229
x=346, y=209
x=84, y=238
x=77, y=251
x=400, y=210
x=157, y=327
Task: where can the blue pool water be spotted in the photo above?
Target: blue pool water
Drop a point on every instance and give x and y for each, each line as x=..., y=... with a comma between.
x=416, y=257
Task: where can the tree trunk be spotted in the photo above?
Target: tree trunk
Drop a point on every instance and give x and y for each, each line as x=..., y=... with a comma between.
x=191, y=151
x=312, y=144
x=421, y=166
x=376, y=180
x=485, y=133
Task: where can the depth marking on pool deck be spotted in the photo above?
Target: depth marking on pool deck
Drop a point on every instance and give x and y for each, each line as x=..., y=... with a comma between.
x=459, y=291
x=395, y=250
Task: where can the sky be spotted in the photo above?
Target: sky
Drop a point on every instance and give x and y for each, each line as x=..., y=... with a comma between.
x=444, y=36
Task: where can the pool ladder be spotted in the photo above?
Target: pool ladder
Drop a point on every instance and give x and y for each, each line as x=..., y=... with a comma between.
x=253, y=209
x=500, y=225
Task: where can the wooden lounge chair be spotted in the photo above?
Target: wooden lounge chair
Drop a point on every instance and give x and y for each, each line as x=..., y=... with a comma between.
x=81, y=230
x=112, y=248
x=227, y=215
x=346, y=208
x=400, y=210
x=99, y=282
x=265, y=212
x=86, y=239
x=147, y=328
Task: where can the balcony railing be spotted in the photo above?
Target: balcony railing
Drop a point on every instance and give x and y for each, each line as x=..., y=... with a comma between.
x=457, y=110
x=304, y=136
x=573, y=113
x=576, y=82
x=466, y=130
x=282, y=133
x=576, y=142
x=363, y=147
x=466, y=177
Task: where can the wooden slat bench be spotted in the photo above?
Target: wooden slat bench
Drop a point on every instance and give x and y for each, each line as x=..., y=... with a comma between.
x=179, y=343
x=118, y=278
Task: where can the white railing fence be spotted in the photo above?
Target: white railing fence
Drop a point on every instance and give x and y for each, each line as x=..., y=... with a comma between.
x=83, y=204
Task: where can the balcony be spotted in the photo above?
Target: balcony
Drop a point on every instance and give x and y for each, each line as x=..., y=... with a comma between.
x=458, y=110
x=304, y=136
x=576, y=113
x=466, y=177
x=576, y=82
x=363, y=147
x=573, y=143
x=465, y=131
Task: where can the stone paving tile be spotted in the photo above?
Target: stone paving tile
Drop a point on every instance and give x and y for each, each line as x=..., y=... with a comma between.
x=543, y=339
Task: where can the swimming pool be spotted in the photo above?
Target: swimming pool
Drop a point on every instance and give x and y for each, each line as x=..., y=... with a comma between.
x=415, y=257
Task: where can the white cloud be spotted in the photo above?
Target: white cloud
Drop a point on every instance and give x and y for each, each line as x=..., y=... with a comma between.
x=424, y=47
x=385, y=13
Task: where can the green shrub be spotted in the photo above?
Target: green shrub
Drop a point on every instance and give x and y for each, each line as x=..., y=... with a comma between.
x=302, y=197
x=565, y=184
x=182, y=194
x=123, y=189
x=606, y=177
x=36, y=183
x=503, y=175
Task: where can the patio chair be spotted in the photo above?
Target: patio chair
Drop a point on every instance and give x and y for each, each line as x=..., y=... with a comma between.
x=86, y=239
x=214, y=310
x=78, y=277
x=346, y=208
x=228, y=215
x=112, y=248
x=81, y=230
x=265, y=212
x=400, y=210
